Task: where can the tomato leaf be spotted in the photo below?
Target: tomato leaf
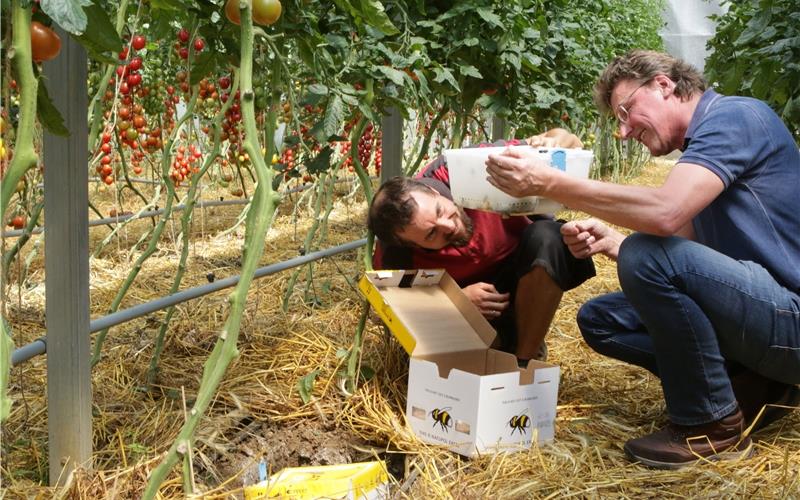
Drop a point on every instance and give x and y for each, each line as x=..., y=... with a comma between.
x=445, y=75
x=48, y=114
x=101, y=35
x=318, y=89
x=334, y=116
x=489, y=16
x=204, y=63
x=305, y=386
x=321, y=162
x=167, y=4
x=469, y=70
x=68, y=14
x=397, y=77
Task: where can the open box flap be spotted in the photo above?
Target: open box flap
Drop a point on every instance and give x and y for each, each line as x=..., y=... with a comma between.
x=427, y=311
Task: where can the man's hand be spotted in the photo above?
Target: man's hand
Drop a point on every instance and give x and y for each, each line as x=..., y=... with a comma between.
x=555, y=138
x=585, y=238
x=487, y=299
x=519, y=172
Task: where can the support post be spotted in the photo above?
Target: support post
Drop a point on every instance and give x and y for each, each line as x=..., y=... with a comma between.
x=69, y=389
x=392, y=144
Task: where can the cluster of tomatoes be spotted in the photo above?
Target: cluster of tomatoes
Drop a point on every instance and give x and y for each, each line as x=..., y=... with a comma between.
x=365, y=146
x=185, y=163
x=129, y=74
x=182, y=44
x=231, y=125
x=104, y=169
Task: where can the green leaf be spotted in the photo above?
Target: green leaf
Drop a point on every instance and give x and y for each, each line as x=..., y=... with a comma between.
x=397, y=77
x=445, y=75
x=204, y=63
x=167, y=4
x=305, y=386
x=334, y=116
x=101, y=35
x=67, y=13
x=367, y=372
x=48, y=114
x=488, y=15
x=318, y=89
x=754, y=28
x=321, y=162
x=469, y=70
x=375, y=16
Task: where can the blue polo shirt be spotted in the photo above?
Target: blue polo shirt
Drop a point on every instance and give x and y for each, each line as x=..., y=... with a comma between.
x=757, y=217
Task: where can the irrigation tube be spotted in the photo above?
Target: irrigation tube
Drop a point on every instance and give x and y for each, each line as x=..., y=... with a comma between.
x=39, y=346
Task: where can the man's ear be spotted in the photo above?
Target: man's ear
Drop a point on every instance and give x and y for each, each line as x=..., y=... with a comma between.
x=665, y=85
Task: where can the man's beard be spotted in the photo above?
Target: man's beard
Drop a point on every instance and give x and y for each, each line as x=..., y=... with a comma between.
x=462, y=241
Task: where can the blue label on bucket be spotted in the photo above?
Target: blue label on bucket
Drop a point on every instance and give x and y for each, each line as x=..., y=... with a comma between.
x=558, y=159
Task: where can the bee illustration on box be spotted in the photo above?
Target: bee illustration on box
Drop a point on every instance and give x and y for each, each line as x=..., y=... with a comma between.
x=442, y=417
x=520, y=423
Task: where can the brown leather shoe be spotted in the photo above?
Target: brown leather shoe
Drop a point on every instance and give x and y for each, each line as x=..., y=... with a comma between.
x=763, y=400
x=677, y=446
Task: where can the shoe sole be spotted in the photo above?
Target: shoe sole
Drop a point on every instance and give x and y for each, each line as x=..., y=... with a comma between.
x=737, y=454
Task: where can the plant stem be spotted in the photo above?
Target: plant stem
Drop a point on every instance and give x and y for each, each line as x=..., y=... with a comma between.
x=259, y=218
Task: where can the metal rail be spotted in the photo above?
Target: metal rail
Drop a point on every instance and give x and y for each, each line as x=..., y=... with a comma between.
x=15, y=233
x=39, y=346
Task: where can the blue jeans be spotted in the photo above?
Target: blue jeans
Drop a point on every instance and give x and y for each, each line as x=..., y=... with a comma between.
x=686, y=312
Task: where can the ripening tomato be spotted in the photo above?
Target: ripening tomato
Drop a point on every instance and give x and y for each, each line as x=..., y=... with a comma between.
x=138, y=42
x=266, y=11
x=232, y=11
x=17, y=222
x=45, y=43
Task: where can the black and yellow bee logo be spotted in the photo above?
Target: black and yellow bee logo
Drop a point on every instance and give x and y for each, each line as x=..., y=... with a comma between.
x=441, y=417
x=520, y=423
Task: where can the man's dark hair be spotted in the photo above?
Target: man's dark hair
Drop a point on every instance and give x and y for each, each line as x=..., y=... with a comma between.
x=393, y=208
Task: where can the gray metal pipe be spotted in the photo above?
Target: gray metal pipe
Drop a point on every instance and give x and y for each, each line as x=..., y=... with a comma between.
x=39, y=346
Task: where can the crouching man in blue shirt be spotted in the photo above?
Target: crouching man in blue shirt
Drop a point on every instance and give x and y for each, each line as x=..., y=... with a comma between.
x=711, y=278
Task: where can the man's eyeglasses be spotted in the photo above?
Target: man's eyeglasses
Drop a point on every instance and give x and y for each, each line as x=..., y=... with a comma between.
x=622, y=111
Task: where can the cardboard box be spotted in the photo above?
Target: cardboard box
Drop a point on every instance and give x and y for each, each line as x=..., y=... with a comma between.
x=359, y=481
x=461, y=393
x=470, y=188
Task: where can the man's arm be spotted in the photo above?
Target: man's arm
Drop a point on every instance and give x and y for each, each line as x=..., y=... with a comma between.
x=663, y=210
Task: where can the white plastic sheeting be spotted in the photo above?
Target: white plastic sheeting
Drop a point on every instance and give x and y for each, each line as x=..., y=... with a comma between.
x=689, y=28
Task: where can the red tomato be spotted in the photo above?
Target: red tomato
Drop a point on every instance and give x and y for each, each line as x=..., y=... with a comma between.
x=135, y=64
x=45, y=43
x=17, y=222
x=138, y=42
x=199, y=44
x=183, y=35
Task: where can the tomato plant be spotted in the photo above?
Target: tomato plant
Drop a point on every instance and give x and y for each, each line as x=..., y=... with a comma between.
x=45, y=43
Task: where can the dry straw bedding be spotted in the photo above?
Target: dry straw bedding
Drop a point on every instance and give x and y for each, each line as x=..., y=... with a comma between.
x=258, y=412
